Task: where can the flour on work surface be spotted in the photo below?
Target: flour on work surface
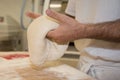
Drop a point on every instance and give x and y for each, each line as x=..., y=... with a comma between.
x=70, y=73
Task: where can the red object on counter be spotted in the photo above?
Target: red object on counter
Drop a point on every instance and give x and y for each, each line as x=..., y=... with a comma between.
x=13, y=56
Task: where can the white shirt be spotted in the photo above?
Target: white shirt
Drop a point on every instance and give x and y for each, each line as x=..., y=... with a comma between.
x=95, y=11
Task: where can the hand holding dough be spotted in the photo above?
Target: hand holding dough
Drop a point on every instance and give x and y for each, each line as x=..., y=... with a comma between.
x=40, y=48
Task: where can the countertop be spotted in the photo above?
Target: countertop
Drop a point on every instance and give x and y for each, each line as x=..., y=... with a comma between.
x=19, y=68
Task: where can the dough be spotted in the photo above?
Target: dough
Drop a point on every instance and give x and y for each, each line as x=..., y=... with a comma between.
x=40, y=48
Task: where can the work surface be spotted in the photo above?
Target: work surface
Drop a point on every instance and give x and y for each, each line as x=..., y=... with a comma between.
x=16, y=66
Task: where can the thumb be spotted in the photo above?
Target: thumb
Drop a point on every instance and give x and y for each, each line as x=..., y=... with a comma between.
x=50, y=35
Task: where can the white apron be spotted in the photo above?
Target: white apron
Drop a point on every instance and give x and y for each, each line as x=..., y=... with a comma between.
x=99, y=68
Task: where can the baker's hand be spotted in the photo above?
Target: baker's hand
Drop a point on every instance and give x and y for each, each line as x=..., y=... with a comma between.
x=32, y=15
x=68, y=29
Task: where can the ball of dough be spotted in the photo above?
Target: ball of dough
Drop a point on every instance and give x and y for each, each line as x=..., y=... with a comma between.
x=40, y=48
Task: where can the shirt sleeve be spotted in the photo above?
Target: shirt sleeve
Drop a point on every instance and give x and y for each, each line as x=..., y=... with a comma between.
x=70, y=7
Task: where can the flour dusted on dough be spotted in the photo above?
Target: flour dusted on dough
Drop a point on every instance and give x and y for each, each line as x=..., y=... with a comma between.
x=40, y=48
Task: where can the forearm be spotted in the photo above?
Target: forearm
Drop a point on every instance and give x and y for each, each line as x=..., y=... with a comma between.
x=70, y=29
x=109, y=31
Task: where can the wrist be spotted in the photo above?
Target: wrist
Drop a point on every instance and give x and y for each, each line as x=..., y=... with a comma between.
x=87, y=31
x=81, y=31
x=93, y=31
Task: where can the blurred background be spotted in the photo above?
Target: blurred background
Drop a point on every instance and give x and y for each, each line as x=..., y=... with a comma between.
x=14, y=22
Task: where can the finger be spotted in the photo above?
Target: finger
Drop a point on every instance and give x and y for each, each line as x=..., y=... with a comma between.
x=50, y=34
x=32, y=15
x=58, y=16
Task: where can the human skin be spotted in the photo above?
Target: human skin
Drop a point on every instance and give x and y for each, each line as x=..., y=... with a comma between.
x=32, y=15
x=70, y=29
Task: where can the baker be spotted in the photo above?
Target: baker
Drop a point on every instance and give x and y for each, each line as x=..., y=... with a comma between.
x=96, y=32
